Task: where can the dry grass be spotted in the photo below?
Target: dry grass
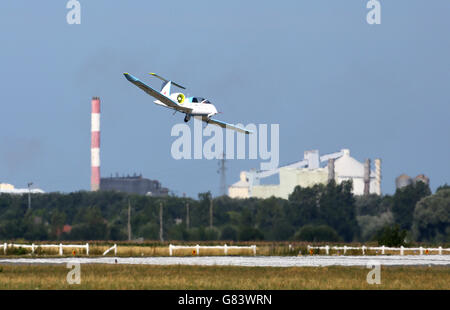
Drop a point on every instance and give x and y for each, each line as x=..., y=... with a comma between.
x=114, y=277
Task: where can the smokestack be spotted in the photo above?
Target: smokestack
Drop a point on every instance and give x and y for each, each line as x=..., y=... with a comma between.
x=378, y=176
x=330, y=169
x=95, y=144
x=367, y=177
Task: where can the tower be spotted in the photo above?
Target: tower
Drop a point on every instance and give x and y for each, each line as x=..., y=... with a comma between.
x=367, y=177
x=378, y=176
x=95, y=144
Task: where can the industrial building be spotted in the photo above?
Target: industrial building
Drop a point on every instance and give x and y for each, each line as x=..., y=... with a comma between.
x=129, y=184
x=133, y=185
x=6, y=188
x=339, y=166
x=405, y=180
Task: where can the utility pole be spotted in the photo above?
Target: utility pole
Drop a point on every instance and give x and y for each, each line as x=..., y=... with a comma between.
x=129, y=220
x=223, y=178
x=210, y=211
x=187, y=215
x=161, y=222
x=29, y=195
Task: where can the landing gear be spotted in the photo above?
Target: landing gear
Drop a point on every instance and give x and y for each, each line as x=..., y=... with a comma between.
x=187, y=118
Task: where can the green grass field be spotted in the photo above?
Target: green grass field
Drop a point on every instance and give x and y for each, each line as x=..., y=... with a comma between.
x=118, y=277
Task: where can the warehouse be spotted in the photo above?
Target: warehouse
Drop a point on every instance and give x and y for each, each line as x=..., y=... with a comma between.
x=312, y=170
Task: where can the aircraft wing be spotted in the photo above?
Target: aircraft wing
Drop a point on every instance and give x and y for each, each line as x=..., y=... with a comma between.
x=156, y=94
x=226, y=125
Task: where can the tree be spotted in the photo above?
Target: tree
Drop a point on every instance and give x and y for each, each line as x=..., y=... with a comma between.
x=92, y=226
x=250, y=234
x=370, y=225
x=57, y=223
x=431, y=220
x=332, y=205
x=405, y=200
x=373, y=205
x=337, y=205
x=445, y=186
x=228, y=233
x=319, y=233
x=178, y=232
x=391, y=236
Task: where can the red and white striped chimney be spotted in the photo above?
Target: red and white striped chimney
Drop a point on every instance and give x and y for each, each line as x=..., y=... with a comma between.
x=95, y=144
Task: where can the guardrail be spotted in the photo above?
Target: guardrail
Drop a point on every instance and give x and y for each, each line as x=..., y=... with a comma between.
x=383, y=249
x=35, y=246
x=198, y=247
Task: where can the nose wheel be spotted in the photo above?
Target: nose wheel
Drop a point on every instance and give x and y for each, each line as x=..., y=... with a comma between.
x=187, y=118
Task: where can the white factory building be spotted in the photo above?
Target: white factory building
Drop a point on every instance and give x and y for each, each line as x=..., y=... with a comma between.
x=6, y=188
x=313, y=169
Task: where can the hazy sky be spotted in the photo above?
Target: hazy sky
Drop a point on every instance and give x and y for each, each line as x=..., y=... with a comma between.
x=317, y=68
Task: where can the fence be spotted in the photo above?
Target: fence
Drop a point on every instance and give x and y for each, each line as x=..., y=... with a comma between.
x=198, y=247
x=383, y=249
x=35, y=246
x=114, y=247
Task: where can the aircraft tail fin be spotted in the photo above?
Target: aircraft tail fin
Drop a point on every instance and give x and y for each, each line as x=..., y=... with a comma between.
x=165, y=88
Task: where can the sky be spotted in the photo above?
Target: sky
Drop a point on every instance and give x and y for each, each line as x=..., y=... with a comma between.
x=316, y=68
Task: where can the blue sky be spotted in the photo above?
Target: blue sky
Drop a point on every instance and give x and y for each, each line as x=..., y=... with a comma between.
x=315, y=67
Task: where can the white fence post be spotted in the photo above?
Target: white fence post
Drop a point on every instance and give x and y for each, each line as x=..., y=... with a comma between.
x=87, y=249
x=32, y=248
x=60, y=249
x=5, y=246
x=327, y=248
x=115, y=249
x=401, y=250
x=421, y=251
x=197, y=248
x=345, y=249
x=363, y=250
x=170, y=249
x=254, y=249
x=440, y=250
x=382, y=250
x=225, y=250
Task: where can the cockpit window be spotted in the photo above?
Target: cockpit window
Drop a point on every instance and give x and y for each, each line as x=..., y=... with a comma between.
x=200, y=100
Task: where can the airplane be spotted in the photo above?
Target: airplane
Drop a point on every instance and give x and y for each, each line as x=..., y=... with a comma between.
x=190, y=106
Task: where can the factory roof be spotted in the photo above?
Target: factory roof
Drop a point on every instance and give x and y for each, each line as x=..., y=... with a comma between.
x=6, y=188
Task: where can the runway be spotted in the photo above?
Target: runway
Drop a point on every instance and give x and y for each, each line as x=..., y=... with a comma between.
x=249, y=261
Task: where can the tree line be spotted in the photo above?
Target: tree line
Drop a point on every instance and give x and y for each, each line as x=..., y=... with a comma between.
x=318, y=213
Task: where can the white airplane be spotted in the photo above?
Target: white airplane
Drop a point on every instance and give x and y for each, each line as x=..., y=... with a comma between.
x=191, y=106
